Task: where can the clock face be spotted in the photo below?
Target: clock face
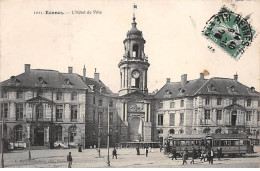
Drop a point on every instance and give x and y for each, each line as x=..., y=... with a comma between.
x=135, y=74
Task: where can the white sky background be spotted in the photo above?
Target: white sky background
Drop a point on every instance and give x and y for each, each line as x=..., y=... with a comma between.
x=172, y=30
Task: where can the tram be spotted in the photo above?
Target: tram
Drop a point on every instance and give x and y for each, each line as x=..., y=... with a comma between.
x=231, y=144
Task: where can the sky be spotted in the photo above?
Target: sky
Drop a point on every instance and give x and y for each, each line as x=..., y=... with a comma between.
x=172, y=30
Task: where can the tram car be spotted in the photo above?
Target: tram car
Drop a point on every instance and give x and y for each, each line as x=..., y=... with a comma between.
x=231, y=144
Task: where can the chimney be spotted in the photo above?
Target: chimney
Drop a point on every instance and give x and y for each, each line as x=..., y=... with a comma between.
x=168, y=80
x=235, y=77
x=202, y=76
x=96, y=75
x=84, y=73
x=70, y=70
x=184, y=79
x=27, y=68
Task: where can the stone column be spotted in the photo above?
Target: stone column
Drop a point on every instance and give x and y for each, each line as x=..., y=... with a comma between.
x=126, y=115
x=145, y=113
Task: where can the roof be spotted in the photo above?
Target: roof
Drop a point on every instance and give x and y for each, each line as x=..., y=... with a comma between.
x=212, y=86
x=187, y=136
x=45, y=79
x=97, y=85
x=176, y=90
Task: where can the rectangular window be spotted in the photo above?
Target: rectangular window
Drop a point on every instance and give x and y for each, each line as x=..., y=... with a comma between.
x=258, y=116
x=100, y=118
x=160, y=119
x=100, y=103
x=59, y=96
x=160, y=105
x=182, y=103
x=4, y=108
x=59, y=111
x=3, y=94
x=248, y=115
x=207, y=114
x=94, y=100
x=172, y=104
x=74, y=112
x=94, y=117
x=181, y=118
x=233, y=101
x=207, y=101
x=19, y=95
x=219, y=114
x=111, y=118
x=248, y=102
x=219, y=101
x=172, y=119
x=19, y=111
x=74, y=96
x=110, y=103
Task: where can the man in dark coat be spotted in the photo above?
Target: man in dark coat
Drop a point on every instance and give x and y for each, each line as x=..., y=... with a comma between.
x=146, y=151
x=137, y=150
x=114, y=153
x=69, y=160
x=193, y=155
x=174, y=153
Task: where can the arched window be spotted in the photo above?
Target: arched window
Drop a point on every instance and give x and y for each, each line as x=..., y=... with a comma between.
x=181, y=131
x=135, y=50
x=171, y=131
x=218, y=131
x=18, y=132
x=206, y=131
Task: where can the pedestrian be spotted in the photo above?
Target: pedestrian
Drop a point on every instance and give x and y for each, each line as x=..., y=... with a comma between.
x=199, y=153
x=146, y=151
x=203, y=155
x=80, y=148
x=161, y=148
x=218, y=154
x=137, y=150
x=174, y=153
x=221, y=154
x=69, y=160
x=193, y=155
x=211, y=156
x=184, y=157
x=114, y=153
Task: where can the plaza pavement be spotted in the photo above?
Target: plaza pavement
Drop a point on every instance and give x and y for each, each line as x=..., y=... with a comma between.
x=127, y=158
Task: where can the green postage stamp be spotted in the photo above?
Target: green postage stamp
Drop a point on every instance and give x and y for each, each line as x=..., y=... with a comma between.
x=229, y=31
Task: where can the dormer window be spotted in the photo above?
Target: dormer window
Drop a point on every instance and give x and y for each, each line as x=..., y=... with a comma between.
x=167, y=92
x=232, y=89
x=211, y=88
x=251, y=90
x=14, y=80
x=67, y=82
x=91, y=87
x=102, y=90
x=41, y=80
x=181, y=91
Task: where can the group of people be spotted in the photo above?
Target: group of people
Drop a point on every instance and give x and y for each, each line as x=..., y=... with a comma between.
x=138, y=151
x=207, y=154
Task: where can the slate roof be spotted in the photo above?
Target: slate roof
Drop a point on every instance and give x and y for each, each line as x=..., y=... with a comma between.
x=221, y=86
x=52, y=79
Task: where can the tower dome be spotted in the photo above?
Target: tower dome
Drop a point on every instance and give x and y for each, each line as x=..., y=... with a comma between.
x=134, y=30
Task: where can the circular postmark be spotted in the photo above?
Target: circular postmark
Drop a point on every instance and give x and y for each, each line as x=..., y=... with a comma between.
x=229, y=31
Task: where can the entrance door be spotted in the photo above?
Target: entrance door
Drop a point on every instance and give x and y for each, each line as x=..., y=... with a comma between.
x=136, y=129
x=39, y=136
x=234, y=118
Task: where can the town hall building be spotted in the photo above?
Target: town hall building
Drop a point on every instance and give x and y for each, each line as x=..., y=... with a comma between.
x=45, y=108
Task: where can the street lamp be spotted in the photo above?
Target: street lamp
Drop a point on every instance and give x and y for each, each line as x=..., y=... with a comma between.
x=108, y=119
x=2, y=139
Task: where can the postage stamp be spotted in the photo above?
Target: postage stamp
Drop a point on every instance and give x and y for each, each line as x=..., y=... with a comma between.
x=229, y=31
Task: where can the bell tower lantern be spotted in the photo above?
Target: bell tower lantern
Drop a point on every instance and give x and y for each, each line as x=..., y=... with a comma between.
x=134, y=65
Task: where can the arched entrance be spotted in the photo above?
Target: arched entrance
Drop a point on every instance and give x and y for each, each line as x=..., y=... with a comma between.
x=136, y=129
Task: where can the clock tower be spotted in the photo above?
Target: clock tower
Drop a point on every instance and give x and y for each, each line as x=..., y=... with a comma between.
x=134, y=65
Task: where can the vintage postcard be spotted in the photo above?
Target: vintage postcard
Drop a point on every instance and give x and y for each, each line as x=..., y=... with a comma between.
x=129, y=84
